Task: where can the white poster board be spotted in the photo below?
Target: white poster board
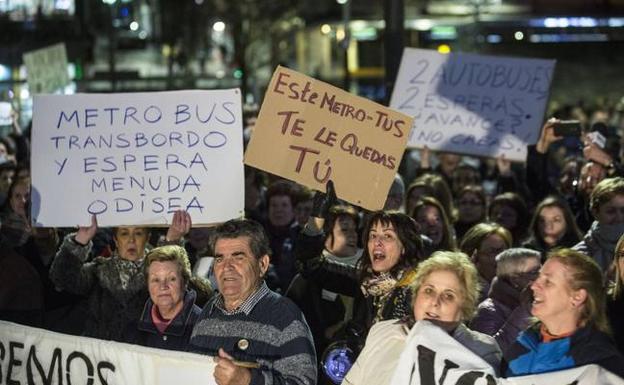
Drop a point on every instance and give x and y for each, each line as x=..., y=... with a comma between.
x=5, y=114
x=36, y=356
x=46, y=69
x=473, y=104
x=133, y=159
x=432, y=357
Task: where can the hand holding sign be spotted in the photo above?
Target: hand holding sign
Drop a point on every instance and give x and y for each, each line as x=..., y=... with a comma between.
x=180, y=226
x=86, y=233
x=324, y=201
x=228, y=373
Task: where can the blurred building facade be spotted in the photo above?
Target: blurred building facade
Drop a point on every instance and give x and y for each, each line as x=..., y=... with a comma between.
x=138, y=45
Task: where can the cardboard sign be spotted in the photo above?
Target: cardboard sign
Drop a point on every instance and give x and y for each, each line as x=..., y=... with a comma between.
x=133, y=159
x=5, y=114
x=36, y=356
x=473, y=104
x=46, y=69
x=431, y=356
x=309, y=132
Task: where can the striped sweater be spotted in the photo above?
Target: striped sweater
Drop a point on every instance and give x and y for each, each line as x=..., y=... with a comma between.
x=270, y=331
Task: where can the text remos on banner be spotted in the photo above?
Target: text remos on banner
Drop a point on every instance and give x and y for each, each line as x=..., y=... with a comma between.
x=35, y=356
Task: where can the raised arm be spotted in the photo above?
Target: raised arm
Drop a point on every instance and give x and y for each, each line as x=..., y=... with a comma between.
x=537, y=160
x=180, y=226
x=70, y=270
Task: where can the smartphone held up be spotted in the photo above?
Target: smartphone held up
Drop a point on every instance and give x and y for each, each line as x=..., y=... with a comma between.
x=567, y=128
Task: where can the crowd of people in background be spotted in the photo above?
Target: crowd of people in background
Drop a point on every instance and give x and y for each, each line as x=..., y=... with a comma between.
x=513, y=260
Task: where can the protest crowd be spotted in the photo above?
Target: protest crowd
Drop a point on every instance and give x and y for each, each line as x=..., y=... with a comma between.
x=520, y=263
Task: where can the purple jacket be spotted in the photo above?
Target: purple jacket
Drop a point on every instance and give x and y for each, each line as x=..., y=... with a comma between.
x=501, y=315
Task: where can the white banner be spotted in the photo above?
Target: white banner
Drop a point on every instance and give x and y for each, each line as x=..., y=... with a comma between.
x=473, y=104
x=35, y=356
x=133, y=159
x=433, y=357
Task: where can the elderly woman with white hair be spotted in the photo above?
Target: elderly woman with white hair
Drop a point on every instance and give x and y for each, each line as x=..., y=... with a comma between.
x=505, y=313
x=445, y=291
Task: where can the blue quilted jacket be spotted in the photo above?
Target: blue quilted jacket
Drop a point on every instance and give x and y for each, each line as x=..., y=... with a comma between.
x=529, y=355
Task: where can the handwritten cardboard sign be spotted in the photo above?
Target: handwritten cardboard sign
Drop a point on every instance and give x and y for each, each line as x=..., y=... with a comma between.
x=5, y=114
x=46, y=69
x=473, y=104
x=309, y=131
x=133, y=159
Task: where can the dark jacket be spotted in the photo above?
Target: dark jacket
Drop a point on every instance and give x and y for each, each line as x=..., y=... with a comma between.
x=615, y=313
x=177, y=334
x=501, y=315
x=267, y=329
x=529, y=355
x=115, y=288
x=599, y=243
x=282, y=241
x=343, y=279
x=21, y=291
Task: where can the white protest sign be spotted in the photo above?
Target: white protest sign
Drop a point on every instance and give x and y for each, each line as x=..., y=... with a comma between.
x=473, y=104
x=430, y=353
x=133, y=159
x=36, y=356
x=432, y=357
x=46, y=69
x=5, y=114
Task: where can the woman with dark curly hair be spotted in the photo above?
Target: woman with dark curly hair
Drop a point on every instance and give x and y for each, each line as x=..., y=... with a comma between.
x=392, y=249
x=379, y=282
x=615, y=296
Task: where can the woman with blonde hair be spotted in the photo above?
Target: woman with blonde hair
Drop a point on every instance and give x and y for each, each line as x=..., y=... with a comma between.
x=445, y=291
x=615, y=296
x=572, y=328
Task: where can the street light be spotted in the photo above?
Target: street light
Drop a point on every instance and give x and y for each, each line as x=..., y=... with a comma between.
x=218, y=26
